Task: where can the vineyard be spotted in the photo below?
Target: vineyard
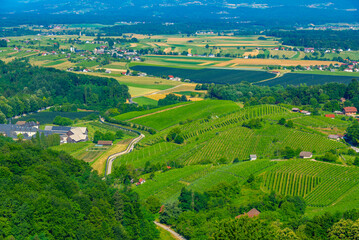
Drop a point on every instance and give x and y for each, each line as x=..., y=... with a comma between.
x=319, y=183
x=167, y=186
x=231, y=120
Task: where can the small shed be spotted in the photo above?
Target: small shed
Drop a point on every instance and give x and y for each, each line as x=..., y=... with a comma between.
x=105, y=143
x=295, y=110
x=334, y=137
x=305, y=155
x=330, y=115
x=252, y=157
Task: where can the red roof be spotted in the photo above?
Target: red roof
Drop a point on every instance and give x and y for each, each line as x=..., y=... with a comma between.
x=252, y=213
x=330, y=115
x=350, y=109
x=141, y=180
x=168, y=167
x=170, y=76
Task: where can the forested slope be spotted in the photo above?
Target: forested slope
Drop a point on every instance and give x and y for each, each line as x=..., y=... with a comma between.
x=50, y=195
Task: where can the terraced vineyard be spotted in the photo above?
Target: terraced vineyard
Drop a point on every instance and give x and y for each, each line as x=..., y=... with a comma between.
x=231, y=120
x=319, y=183
x=167, y=186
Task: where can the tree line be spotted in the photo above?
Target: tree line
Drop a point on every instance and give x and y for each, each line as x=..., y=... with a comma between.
x=25, y=88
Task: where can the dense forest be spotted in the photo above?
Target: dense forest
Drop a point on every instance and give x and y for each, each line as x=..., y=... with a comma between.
x=25, y=88
x=327, y=94
x=50, y=195
x=319, y=39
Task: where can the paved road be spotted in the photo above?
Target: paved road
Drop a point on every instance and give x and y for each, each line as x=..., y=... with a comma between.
x=168, y=229
x=129, y=148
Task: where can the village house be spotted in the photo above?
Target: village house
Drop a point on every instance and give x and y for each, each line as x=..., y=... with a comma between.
x=305, y=154
x=69, y=134
x=350, y=111
x=252, y=157
x=140, y=181
x=295, y=110
x=334, y=137
x=252, y=213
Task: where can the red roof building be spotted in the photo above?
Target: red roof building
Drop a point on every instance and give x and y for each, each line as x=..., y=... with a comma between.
x=252, y=213
x=170, y=76
x=330, y=115
x=350, y=110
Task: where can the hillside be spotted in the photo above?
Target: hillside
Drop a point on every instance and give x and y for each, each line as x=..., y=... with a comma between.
x=214, y=156
x=50, y=195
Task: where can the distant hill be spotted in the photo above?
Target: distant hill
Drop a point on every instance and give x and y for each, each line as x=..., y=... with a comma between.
x=275, y=10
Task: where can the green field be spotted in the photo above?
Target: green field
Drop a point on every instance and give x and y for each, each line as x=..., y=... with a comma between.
x=193, y=111
x=145, y=101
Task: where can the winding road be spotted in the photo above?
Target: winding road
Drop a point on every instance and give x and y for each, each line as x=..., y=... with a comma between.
x=129, y=148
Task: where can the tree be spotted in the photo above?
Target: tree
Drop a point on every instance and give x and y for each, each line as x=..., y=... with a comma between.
x=290, y=124
x=282, y=121
x=353, y=133
x=185, y=199
x=356, y=161
x=153, y=204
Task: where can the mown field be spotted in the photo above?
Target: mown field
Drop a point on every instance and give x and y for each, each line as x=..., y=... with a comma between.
x=219, y=76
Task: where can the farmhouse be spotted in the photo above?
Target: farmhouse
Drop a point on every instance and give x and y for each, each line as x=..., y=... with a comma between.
x=295, y=110
x=305, y=155
x=350, y=111
x=305, y=112
x=252, y=157
x=70, y=134
x=140, y=181
x=252, y=213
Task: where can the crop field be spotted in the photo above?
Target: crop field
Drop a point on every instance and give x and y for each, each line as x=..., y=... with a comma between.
x=196, y=110
x=265, y=62
x=319, y=183
x=219, y=76
x=73, y=148
x=48, y=117
x=309, y=79
x=167, y=186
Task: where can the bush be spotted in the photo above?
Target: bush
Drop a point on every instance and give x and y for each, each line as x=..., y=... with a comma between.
x=62, y=121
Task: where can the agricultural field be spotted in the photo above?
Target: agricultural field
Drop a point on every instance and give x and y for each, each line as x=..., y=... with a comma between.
x=220, y=76
x=208, y=140
x=144, y=101
x=319, y=183
x=193, y=111
x=308, y=79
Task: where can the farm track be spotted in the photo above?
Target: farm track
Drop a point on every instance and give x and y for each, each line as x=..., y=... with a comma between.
x=168, y=229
